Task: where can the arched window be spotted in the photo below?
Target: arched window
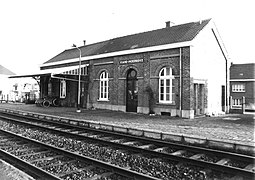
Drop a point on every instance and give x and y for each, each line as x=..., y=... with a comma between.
x=103, y=87
x=166, y=85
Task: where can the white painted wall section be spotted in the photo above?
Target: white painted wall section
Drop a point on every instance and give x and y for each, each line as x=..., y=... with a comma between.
x=208, y=62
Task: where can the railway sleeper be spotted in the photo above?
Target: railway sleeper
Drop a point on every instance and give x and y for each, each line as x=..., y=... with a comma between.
x=107, y=138
x=52, y=127
x=160, y=149
x=130, y=142
x=76, y=132
x=250, y=167
x=68, y=130
x=46, y=158
x=84, y=134
x=75, y=171
x=59, y=164
x=35, y=153
x=117, y=140
x=196, y=156
x=30, y=148
x=223, y=161
x=179, y=153
x=147, y=146
x=95, y=136
x=60, y=128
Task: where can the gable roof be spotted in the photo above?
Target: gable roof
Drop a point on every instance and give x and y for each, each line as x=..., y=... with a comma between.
x=242, y=71
x=5, y=71
x=168, y=35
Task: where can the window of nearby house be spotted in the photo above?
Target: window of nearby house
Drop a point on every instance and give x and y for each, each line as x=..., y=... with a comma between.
x=166, y=85
x=238, y=88
x=62, y=88
x=103, y=89
x=237, y=102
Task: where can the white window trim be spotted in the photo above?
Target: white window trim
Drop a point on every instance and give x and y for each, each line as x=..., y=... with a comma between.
x=62, y=88
x=238, y=88
x=237, y=103
x=102, y=81
x=166, y=77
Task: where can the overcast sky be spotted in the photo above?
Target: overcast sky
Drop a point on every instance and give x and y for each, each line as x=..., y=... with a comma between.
x=34, y=31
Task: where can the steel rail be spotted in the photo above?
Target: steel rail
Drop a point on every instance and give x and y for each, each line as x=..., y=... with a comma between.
x=98, y=126
x=29, y=168
x=94, y=162
x=218, y=167
x=156, y=142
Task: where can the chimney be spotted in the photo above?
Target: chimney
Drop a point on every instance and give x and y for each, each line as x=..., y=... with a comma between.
x=168, y=24
x=84, y=42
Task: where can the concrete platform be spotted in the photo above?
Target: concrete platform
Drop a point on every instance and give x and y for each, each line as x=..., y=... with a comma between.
x=233, y=128
x=9, y=172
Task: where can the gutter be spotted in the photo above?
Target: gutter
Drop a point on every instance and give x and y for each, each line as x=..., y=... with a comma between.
x=180, y=94
x=123, y=52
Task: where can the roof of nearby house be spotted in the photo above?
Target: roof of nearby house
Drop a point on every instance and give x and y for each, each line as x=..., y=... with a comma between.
x=167, y=35
x=5, y=71
x=242, y=71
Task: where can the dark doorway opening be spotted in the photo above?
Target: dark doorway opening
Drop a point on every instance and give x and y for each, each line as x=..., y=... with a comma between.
x=132, y=91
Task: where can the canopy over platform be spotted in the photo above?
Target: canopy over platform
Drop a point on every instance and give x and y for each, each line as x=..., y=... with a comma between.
x=70, y=70
x=58, y=73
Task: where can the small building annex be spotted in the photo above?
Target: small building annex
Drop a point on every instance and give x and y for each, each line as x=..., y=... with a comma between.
x=242, y=87
x=176, y=70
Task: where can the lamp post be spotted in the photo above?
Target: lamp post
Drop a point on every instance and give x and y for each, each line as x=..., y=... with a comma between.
x=79, y=82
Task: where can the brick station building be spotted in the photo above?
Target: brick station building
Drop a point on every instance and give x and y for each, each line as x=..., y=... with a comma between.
x=176, y=70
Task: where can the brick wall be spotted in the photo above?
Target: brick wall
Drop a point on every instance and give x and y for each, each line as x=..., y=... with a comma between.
x=148, y=76
x=187, y=85
x=244, y=72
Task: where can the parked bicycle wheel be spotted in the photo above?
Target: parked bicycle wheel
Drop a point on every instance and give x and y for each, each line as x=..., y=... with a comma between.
x=55, y=102
x=46, y=103
x=39, y=102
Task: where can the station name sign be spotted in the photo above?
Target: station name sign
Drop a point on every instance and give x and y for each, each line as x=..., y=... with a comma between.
x=131, y=61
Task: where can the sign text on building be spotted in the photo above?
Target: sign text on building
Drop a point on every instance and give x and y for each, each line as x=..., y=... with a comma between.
x=131, y=61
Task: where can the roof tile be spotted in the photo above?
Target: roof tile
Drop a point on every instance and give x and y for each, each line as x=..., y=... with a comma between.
x=170, y=35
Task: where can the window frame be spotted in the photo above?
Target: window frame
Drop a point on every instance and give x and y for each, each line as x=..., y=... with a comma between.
x=238, y=87
x=104, y=86
x=62, y=89
x=166, y=85
x=237, y=102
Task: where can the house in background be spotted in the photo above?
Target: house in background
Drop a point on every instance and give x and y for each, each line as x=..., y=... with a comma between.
x=26, y=91
x=13, y=90
x=177, y=70
x=242, y=87
x=6, y=93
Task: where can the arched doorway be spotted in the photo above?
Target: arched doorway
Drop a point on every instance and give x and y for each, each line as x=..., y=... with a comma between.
x=132, y=91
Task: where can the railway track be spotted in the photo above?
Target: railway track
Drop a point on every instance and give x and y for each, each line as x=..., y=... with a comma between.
x=44, y=161
x=200, y=163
